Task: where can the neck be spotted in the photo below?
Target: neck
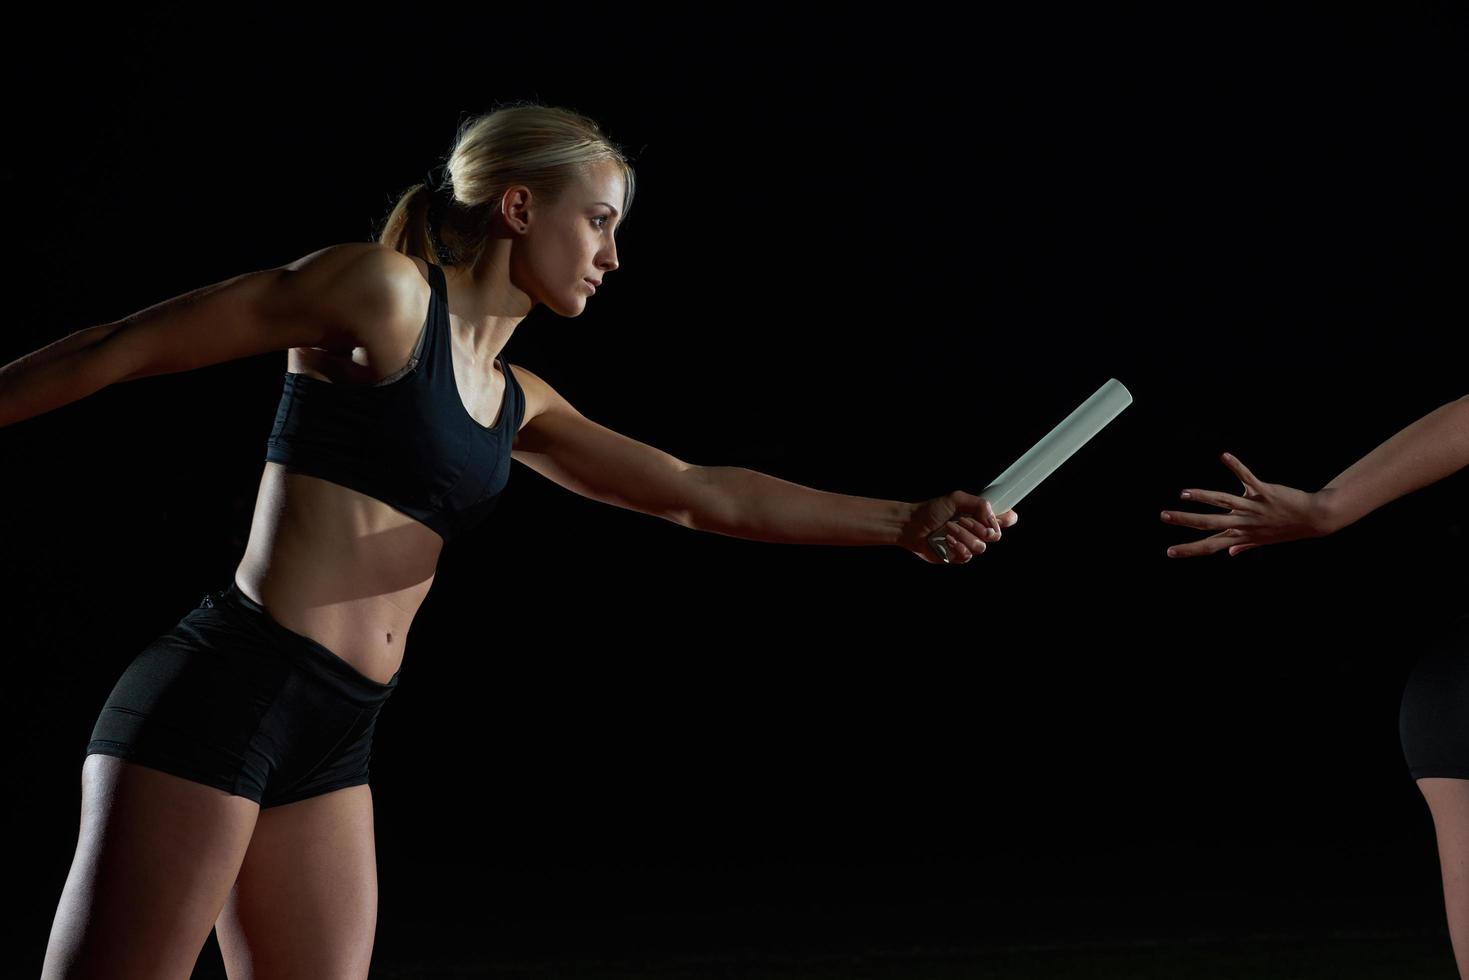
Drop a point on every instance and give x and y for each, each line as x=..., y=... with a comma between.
x=484, y=306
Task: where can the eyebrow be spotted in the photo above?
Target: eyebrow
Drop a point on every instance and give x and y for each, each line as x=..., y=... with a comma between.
x=606, y=205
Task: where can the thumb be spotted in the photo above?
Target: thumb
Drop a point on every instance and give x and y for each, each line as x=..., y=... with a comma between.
x=976, y=505
x=966, y=500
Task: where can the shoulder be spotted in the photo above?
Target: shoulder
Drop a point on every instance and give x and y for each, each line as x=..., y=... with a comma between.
x=371, y=291
x=539, y=395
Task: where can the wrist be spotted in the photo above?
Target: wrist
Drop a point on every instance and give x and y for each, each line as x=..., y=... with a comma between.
x=1326, y=516
x=904, y=519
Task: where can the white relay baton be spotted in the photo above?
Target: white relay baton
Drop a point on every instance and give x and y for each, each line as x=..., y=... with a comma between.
x=1053, y=449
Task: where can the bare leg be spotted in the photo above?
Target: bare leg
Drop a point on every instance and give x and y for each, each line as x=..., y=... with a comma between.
x=155, y=859
x=1448, y=799
x=305, y=903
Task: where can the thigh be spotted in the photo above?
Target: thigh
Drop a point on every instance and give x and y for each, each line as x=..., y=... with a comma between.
x=156, y=856
x=1448, y=800
x=305, y=901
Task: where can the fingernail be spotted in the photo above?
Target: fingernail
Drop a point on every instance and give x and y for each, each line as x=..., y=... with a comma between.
x=1172, y=553
x=1186, y=495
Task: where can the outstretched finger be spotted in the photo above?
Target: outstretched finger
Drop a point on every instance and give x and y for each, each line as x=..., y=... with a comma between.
x=1243, y=472
x=1206, y=546
x=1218, y=498
x=1204, y=522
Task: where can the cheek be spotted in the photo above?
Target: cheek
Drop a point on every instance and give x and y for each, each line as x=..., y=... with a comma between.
x=565, y=255
x=557, y=264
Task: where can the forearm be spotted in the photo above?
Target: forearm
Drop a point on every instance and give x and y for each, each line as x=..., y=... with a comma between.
x=745, y=503
x=56, y=375
x=1424, y=452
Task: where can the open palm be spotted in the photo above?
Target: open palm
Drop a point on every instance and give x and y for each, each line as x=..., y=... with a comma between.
x=1268, y=513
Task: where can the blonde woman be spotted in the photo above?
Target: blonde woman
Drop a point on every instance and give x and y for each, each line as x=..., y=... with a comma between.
x=225, y=783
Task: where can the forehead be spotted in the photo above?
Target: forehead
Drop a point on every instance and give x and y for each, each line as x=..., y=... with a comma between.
x=603, y=181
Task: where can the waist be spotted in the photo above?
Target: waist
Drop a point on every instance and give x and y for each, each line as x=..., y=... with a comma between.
x=341, y=568
x=305, y=651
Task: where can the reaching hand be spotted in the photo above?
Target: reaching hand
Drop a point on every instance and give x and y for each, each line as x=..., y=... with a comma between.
x=1268, y=513
x=970, y=521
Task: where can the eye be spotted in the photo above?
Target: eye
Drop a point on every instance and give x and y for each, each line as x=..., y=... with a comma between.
x=601, y=217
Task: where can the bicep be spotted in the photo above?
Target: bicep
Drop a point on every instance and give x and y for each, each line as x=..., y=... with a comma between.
x=602, y=464
x=314, y=302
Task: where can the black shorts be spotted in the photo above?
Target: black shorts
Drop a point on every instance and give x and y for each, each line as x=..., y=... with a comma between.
x=232, y=699
x=1433, y=721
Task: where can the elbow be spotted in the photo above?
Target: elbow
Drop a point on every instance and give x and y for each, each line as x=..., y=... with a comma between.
x=704, y=504
x=99, y=359
x=118, y=356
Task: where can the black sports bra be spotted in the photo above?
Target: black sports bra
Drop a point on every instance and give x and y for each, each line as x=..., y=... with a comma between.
x=406, y=440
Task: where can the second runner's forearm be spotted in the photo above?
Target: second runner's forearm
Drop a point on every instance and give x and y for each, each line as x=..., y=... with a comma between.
x=1424, y=452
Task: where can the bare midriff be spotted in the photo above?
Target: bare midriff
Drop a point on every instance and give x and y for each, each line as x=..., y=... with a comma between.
x=338, y=566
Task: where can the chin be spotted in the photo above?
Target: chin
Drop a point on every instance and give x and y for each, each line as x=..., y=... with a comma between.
x=570, y=310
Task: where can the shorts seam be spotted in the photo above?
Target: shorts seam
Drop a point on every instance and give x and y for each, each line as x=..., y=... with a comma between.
x=318, y=791
x=1453, y=772
x=275, y=703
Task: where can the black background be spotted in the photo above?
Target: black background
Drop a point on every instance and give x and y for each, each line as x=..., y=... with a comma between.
x=877, y=256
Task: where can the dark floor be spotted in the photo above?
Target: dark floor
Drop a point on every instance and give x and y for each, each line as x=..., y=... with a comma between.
x=547, y=924
x=1341, y=956
x=834, y=945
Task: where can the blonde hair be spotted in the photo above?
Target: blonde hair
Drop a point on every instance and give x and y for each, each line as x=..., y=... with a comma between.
x=543, y=147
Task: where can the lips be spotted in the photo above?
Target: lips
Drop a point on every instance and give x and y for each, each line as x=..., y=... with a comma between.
x=592, y=282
